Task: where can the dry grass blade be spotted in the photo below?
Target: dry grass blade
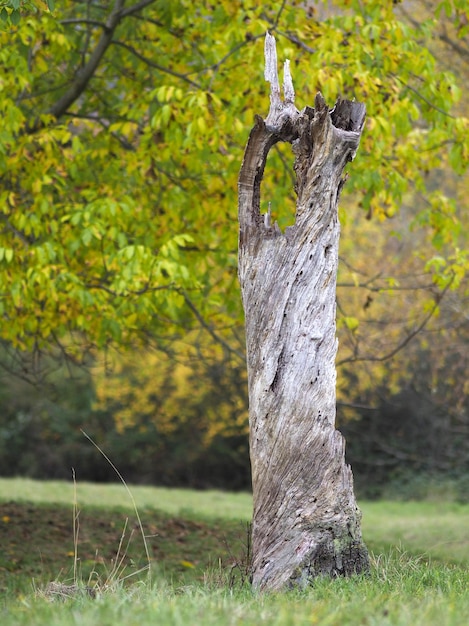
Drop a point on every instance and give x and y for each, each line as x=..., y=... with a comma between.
x=76, y=527
x=134, y=504
x=60, y=591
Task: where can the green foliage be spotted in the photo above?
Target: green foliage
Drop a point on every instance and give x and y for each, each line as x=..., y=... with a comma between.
x=11, y=10
x=119, y=156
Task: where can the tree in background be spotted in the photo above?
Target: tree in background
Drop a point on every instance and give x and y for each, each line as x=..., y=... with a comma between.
x=122, y=126
x=122, y=137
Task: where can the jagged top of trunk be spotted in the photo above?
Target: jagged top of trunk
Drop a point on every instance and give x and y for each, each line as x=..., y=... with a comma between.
x=319, y=136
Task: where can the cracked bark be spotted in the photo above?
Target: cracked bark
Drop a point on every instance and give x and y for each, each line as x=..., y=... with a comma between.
x=306, y=521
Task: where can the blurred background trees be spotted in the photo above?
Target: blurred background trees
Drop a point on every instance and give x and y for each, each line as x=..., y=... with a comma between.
x=122, y=126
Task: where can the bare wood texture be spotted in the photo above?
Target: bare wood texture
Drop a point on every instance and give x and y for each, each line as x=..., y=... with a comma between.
x=306, y=521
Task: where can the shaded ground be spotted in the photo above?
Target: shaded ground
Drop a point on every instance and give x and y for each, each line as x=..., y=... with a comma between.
x=37, y=545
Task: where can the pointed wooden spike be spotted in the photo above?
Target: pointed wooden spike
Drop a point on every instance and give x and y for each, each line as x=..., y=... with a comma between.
x=288, y=90
x=270, y=54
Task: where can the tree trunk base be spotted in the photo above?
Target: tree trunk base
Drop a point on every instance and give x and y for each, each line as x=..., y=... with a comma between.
x=332, y=558
x=307, y=548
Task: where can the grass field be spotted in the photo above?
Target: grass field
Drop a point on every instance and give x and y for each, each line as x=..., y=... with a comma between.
x=197, y=545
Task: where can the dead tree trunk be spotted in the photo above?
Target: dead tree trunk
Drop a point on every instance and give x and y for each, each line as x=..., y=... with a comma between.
x=306, y=521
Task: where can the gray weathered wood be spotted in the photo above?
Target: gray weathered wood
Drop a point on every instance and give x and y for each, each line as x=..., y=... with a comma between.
x=306, y=521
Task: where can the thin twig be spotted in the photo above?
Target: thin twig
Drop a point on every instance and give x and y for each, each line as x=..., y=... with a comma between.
x=156, y=66
x=209, y=329
x=405, y=341
x=422, y=97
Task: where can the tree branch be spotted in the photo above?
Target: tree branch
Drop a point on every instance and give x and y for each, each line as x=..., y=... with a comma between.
x=83, y=20
x=405, y=341
x=151, y=63
x=422, y=97
x=209, y=329
x=137, y=7
x=86, y=73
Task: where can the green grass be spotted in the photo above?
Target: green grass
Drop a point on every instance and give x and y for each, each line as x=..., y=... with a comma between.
x=173, y=501
x=420, y=557
x=401, y=591
x=437, y=531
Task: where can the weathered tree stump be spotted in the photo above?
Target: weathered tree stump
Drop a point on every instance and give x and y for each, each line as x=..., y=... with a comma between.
x=306, y=521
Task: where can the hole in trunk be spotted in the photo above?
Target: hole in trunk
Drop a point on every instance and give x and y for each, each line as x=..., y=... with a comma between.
x=278, y=176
